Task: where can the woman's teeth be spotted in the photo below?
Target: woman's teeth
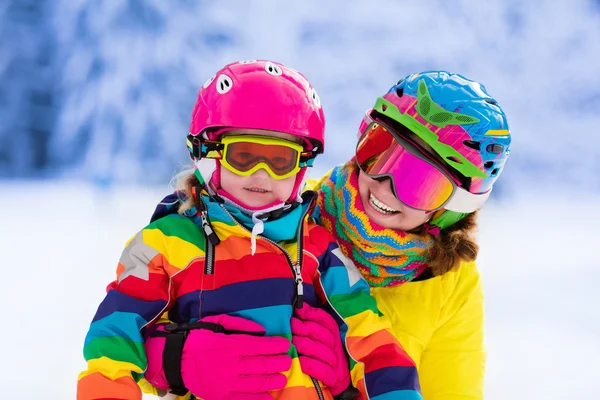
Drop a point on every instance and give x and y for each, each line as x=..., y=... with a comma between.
x=381, y=207
x=257, y=190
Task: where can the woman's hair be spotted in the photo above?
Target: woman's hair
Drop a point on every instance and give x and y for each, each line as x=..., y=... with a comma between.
x=453, y=245
x=183, y=182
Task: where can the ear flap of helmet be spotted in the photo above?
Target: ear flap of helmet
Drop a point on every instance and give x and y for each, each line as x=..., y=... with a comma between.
x=447, y=218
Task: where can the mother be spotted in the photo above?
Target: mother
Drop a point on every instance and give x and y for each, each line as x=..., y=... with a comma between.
x=404, y=211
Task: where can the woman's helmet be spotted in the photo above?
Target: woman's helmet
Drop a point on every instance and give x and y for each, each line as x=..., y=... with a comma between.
x=457, y=124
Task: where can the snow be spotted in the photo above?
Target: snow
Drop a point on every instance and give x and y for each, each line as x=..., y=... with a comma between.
x=60, y=242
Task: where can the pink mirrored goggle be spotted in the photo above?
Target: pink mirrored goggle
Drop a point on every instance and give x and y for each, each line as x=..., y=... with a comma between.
x=417, y=180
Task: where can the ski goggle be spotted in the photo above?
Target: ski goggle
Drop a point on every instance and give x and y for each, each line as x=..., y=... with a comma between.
x=417, y=180
x=246, y=154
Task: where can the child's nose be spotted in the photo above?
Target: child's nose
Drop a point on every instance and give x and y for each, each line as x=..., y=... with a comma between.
x=261, y=174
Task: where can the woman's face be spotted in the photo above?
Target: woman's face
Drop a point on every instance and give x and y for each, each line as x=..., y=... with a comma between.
x=383, y=208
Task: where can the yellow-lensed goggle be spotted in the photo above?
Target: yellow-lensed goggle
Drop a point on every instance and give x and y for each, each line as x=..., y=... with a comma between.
x=246, y=154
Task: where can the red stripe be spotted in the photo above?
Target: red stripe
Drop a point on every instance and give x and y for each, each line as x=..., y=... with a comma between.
x=389, y=355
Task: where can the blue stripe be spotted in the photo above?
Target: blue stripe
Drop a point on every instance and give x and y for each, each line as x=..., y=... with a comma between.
x=310, y=295
x=186, y=308
x=116, y=301
x=275, y=319
x=324, y=258
x=399, y=395
x=122, y=324
x=335, y=281
x=391, y=379
x=328, y=261
x=248, y=295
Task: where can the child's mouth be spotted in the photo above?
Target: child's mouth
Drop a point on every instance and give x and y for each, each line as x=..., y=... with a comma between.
x=257, y=190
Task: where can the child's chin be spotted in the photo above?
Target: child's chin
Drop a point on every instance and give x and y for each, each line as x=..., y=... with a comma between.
x=255, y=202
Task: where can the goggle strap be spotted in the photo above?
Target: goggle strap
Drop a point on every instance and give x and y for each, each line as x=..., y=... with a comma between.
x=200, y=147
x=194, y=143
x=208, y=146
x=307, y=159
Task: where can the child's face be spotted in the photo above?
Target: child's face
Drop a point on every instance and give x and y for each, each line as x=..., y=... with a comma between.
x=376, y=194
x=258, y=189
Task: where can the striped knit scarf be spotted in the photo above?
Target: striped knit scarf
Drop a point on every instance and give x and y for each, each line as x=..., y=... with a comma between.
x=385, y=257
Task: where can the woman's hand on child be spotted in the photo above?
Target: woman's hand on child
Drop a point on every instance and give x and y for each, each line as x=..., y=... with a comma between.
x=317, y=338
x=226, y=366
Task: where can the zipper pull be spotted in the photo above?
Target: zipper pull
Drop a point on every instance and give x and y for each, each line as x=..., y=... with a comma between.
x=208, y=230
x=299, y=287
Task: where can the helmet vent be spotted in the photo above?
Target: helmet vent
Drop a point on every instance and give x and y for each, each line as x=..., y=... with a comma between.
x=273, y=69
x=472, y=144
x=495, y=148
x=224, y=84
x=399, y=91
x=424, y=106
x=495, y=172
x=441, y=117
x=465, y=119
x=384, y=107
x=315, y=97
x=491, y=101
x=488, y=164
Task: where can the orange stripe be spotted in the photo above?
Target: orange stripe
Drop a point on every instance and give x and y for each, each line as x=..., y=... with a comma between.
x=361, y=387
x=97, y=386
x=236, y=247
x=361, y=346
x=300, y=392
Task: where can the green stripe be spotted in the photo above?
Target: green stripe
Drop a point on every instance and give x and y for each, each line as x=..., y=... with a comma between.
x=137, y=376
x=181, y=227
x=116, y=348
x=348, y=305
x=292, y=352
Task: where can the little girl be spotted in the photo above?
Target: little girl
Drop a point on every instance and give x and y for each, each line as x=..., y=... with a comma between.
x=231, y=256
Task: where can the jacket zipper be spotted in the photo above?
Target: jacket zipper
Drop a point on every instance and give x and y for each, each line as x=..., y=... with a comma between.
x=209, y=263
x=317, y=388
x=296, y=270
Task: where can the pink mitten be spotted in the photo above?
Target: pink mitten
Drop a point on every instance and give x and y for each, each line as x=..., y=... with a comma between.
x=317, y=338
x=154, y=352
x=217, y=366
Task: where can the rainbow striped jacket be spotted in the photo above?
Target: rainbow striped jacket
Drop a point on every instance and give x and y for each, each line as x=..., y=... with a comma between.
x=167, y=267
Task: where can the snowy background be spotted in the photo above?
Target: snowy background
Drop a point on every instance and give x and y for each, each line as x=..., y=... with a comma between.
x=95, y=98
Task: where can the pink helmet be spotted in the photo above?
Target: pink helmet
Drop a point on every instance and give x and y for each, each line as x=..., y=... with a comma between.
x=256, y=95
x=260, y=95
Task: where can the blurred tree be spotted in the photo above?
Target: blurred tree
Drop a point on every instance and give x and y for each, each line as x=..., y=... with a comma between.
x=27, y=87
x=129, y=80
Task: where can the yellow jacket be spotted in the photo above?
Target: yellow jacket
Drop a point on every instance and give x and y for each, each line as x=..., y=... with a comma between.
x=439, y=321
